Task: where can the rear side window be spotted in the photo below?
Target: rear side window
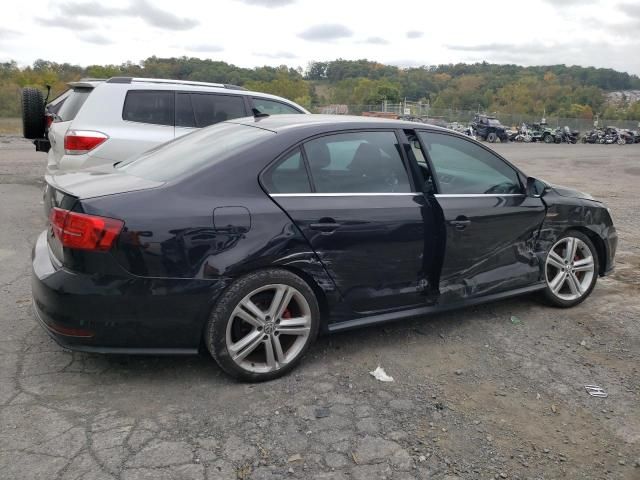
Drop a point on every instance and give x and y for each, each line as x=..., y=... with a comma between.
x=72, y=104
x=191, y=153
x=211, y=108
x=272, y=107
x=153, y=106
x=289, y=175
x=184, y=111
x=359, y=162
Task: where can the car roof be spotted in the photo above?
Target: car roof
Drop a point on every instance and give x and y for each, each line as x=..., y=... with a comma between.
x=278, y=123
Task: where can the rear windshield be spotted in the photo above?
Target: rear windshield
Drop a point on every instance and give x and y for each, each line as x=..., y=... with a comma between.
x=73, y=103
x=192, y=152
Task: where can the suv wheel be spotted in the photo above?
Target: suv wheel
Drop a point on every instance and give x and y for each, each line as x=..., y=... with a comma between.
x=570, y=270
x=548, y=138
x=262, y=325
x=491, y=137
x=32, y=113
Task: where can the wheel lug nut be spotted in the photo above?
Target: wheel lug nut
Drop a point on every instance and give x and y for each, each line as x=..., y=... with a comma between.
x=266, y=337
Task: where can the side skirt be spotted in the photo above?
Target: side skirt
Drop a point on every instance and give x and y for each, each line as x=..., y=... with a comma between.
x=418, y=312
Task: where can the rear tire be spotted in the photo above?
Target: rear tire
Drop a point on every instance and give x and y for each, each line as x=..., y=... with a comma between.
x=491, y=137
x=32, y=113
x=570, y=270
x=262, y=325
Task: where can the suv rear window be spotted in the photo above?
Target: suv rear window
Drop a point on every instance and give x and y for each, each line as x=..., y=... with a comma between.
x=190, y=153
x=149, y=106
x=72, y=104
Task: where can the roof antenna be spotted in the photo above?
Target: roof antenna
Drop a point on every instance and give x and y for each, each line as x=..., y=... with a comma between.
x=258, y=114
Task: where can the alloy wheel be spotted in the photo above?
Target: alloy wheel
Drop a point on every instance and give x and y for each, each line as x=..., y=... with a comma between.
x=569, y=268
x=268, y=328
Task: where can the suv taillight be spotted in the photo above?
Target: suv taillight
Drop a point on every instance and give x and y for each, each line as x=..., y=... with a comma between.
x=84, y=232
x=77, y=142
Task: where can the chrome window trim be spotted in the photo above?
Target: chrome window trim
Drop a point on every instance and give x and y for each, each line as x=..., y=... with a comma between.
x=316, y=194
x=471, y=195
x=391, y=194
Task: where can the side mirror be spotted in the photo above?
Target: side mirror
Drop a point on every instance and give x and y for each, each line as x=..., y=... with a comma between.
x=536, y=188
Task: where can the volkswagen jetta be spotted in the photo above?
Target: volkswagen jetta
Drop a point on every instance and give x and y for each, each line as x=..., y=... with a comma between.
x=252, y=236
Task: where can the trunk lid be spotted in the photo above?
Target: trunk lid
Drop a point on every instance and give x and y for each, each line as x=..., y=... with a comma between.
x=67, y=190
x=98, y=182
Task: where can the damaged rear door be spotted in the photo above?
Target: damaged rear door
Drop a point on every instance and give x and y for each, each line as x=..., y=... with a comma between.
x=353, y=199
x=491, y=224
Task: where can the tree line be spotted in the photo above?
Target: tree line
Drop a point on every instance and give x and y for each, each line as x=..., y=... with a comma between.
x=558, y=90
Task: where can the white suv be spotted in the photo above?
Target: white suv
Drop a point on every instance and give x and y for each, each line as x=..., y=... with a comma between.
x=106, y=121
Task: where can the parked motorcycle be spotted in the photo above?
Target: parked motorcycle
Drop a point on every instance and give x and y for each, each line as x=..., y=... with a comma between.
x=566, y=135
x=594, y=136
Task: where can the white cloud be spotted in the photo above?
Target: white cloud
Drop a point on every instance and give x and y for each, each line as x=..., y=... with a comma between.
x=294, y=32
x=324, y=32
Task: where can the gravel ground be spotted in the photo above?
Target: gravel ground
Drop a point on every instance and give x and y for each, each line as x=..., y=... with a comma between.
x=475, y=394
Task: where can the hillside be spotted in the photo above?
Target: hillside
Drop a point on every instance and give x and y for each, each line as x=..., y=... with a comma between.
x=566, y=91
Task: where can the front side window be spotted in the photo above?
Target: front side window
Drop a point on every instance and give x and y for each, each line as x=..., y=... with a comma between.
x=462, y=167
x=153, y=106
x=272, y=107
x=359, y=162
x=212, y=108
x=289, y=175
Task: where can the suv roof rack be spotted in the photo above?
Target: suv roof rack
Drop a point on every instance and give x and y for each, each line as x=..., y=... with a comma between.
x=173, y=82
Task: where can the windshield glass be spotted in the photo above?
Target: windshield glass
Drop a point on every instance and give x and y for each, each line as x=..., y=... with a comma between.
x=493, y=122
x=192, y=152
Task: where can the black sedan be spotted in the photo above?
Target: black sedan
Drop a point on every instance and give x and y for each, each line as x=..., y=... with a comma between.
x=252, y=236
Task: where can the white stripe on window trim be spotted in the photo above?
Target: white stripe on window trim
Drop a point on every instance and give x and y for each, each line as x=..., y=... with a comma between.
x=391, y=194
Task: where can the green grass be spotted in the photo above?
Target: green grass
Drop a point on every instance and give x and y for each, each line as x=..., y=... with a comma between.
x=10, y=126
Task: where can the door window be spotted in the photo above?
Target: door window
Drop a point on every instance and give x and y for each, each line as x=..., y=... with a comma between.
x=272, y=107
x=288, y=175
x=359, y=162
x=462, y=167
x=184, y=111
x=151, y=106
x=211, y=108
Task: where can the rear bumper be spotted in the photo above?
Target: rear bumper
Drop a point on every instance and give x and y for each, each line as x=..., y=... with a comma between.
x=119, y=314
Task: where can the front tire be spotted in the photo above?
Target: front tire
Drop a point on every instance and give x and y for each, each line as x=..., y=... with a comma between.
x=262, y=325
x=570, y=270
x=548, y=138
x=491, y=137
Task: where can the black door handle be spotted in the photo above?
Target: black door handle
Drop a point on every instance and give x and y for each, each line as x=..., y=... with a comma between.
x=460, y=223
x=325, y=225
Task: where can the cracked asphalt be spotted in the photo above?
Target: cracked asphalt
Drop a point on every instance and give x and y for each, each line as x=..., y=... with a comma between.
x=495, y=391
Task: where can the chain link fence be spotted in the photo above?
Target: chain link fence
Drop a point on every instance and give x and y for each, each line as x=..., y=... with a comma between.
x=442, y=116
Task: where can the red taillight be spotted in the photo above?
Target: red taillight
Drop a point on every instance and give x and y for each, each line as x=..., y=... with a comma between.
x=77, y=142
x=48, y=120
x=84, y=232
